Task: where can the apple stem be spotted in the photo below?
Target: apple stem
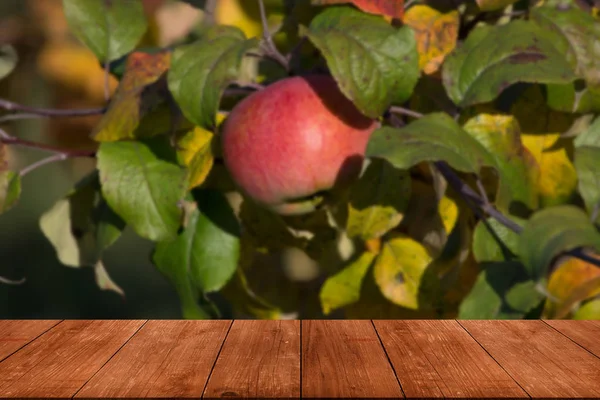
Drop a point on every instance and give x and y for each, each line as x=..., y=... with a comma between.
x=268, y=44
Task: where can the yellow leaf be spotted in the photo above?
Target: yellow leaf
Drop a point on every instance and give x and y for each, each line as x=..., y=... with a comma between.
x=517, y=168
x=448, y=213
x=573, y=281
x=557, y=182
x=195, y=153
x=399, y=269
x=590, y=310
x=244, y=16
x=436, y=35
x=344, y=287
x=140, y=92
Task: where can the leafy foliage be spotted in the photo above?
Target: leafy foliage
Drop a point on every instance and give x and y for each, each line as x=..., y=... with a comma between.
x=479, y=196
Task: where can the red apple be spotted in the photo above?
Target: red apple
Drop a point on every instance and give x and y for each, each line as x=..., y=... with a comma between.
x=294, y=139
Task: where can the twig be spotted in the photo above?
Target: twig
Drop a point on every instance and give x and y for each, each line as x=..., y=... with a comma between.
x=49, y=112
x=405, y=111
x=11, y=282
x=209, y=12
x=268, y=44
x=472, y=198
x=59, y=154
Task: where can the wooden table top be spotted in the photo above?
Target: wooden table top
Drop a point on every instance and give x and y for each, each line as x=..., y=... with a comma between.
x=292, y=359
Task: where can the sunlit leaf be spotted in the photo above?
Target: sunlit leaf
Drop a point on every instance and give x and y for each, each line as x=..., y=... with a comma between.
x=590, y=137
x=557, y=181
x=208, y=247
x=493, y=58
x=139, y=93
x=436, y=34
x=143, y=184
x=571, y=281
x=201, y=71
x=502, y=291
x=104, y=281
x=589, y=311
x=517, y=169
x=10, y=189
x=377, y=200
x=374, y=63
x=109, y=28
x=551, y=231
x=344, y=287
x=8, y=59
x=389, y=8
x=434, y=137
x=399, y=268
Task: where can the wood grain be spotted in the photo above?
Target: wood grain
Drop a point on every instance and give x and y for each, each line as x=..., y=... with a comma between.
x=60, y=362
x=543, y=361
x=438, y=358
x=584, y=333
x=165, y=359
x=15, y=334
x=260, y=359
x=344, y=358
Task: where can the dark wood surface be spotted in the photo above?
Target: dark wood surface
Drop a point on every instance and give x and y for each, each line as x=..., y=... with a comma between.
x=293, y=359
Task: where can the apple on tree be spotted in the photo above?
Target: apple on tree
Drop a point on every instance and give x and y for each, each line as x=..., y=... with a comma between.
x=296, y=138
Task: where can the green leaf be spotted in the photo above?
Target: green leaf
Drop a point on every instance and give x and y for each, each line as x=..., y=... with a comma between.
x=434, y=137
x=589, y=137
x=344, y=287
x=201, y=71
x=109, y=226
x=567, y=98
x=577, y=34
x=486, y=246
x=493, y=58
x=399, y=270
x=377, y=200
x=588, y=174
x=517, y=169
x=502, y=291
x=209, y=247
x=552, y=231
x=109, y=28
x=8, y=59
x=143, y=185
x=492, y=5
x=10, y=189
x=374, y=63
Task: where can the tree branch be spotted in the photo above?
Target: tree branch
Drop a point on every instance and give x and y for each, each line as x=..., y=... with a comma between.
x=405, y=111
x=476, y=200
x=268, y=44
x=49, y=112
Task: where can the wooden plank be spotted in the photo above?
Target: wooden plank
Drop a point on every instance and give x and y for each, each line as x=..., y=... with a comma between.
x=58, y=363
x=260, y=359
x=165, y=359
x=544, y=362
x=15, y=334
x=439, y=358
x=345, y=359
x=584, y=333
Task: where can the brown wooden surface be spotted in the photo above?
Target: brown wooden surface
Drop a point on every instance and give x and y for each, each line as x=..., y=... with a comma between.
x=543, y=361
x=584, y=333
x=260, y=359
x=440, y=359
x=15, y=334
x=292, y=359
x=345, y=359
x=165, y=359
x=61, y=361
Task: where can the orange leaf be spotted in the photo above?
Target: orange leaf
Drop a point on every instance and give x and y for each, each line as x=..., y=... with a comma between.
x=389, y=8
x=139, y=92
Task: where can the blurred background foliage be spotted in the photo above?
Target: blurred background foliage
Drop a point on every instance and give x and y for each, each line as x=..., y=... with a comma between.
x=56, y=71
